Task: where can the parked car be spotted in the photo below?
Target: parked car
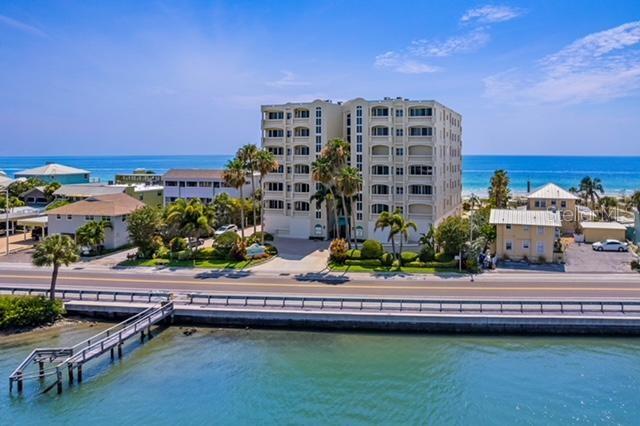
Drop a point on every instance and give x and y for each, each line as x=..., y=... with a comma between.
x=224, y=229
x=610, y=245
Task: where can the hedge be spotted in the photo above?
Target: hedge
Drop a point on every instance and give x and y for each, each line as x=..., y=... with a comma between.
x=28, y=311
x=371, y=249
x=354, y=254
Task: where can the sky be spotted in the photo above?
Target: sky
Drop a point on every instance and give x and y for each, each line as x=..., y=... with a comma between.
x=157, y=77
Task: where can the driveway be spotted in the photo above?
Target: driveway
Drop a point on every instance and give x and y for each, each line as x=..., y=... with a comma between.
x=297, y=255
x=582, y=258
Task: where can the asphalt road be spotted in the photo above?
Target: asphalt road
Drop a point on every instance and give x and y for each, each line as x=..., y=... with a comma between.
x=520, y=286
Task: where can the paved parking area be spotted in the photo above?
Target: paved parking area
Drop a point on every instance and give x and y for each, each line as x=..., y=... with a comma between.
x=582, y=258
x=297, y=255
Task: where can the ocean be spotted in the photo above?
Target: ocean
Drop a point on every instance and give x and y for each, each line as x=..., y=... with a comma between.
x=620, y=175
x=249, y=377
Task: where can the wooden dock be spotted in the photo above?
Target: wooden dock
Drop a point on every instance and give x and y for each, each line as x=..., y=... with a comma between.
x=73, y=358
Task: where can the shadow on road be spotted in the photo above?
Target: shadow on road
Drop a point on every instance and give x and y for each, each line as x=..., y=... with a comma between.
x=222, y=273
x=322, y=277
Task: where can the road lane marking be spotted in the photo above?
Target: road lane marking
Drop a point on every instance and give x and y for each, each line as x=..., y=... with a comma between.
x=324, y=286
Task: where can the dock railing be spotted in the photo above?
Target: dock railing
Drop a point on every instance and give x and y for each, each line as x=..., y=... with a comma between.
x=418, y=305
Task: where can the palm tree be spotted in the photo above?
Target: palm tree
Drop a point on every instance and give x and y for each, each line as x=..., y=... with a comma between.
x=591, y=189
x=235, y=176
x=322, y=172
x=402, y=227
x=635, y=199
x=55, y=250
x=349, y=185
x=265, y=163
x=607, y=204
x=92, y=234
x=192, y=218
x=386, y=220
x=248, y=154
x=474, y=200
x=499, y=192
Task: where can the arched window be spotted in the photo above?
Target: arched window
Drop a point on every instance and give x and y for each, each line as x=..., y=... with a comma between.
x=419, y=170
x=420, y=112
x=420, y=150
x=379, y=150
x=380, y=170
x=379, y=208
x=380, y=189
x=301, y=132
x=301, y=206
x=276, y=150
x=300, y=187
x=274, y=133
x=275, y=204
x=420, y=131
x=420, y=209
x=301, y=169
x=380, y=111
x=301, y=113
x=420, y=189
x=300, y=150
x=380, y=131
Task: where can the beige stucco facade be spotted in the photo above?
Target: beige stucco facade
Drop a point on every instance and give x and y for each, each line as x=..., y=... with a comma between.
x=555, y=199
x=521, y=241
x=599, y=231
x=409, y=154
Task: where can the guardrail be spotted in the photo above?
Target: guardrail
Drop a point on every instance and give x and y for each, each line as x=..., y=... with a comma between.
x=419, y=305
x=91, y=295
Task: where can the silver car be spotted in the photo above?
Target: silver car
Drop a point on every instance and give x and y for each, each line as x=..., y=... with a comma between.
x=224, y=229
x=610, y=245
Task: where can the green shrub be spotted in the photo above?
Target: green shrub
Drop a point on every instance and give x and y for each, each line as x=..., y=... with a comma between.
x=238, y=250
x=257, y=238
x=354, y=254
x=443, y=257
x=178, y=244
x=408, y=256
x=207, y=253
x=183, y=255
x=444, y=265
x=225, y=242
x=427, y=254
x=365, y=263
x=270, y=250
x=28, y=311
x=162, y=253
x=162, y=262
x=386, y=259
x=338, y=250
x=372, y=249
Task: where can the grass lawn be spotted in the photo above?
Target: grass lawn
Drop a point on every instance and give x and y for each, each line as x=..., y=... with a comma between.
x=206, y=263
x=375, y=267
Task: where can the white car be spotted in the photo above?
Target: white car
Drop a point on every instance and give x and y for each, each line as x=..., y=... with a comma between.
x=224, y=229
x=610, y=245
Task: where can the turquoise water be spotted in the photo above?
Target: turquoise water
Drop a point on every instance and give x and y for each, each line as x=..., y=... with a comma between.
x=618, y=174
x=293, y=377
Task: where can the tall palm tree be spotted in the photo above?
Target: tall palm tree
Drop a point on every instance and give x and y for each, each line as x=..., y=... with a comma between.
x=607, y=204
x=349, y=185
x=499, y=192
x=591, y=189
x=192, y=218
x=322, y=171
x=92, y=234
x=248, y=154
x=55, y=250
x=265, y=163
x=402, y=227
x=235, y=176
x=386, y=220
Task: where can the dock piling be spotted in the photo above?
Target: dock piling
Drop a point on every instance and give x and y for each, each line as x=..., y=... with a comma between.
x=59, y=380
x=70, y=371
x=41, y=370
x=80, y=373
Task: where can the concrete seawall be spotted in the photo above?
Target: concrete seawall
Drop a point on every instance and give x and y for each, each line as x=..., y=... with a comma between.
x=377, y=321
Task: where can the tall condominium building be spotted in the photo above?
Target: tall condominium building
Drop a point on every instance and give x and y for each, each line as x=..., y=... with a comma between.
x=409, y=153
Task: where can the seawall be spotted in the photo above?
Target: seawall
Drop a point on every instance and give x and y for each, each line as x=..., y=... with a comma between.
x=486, y=323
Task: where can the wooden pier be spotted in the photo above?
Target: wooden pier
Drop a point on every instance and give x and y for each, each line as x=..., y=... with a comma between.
x=73, y=358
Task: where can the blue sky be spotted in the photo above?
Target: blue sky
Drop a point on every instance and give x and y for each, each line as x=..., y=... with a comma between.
x=121, y=77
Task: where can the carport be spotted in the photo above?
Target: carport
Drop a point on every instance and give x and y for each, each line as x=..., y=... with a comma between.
x=34, y=222
x=598, y=231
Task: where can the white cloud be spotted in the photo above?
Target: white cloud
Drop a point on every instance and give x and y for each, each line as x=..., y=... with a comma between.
x=491, y=14
x=402, y=63
x=21, y=26
x=600, y=66
x=457, y=44
x=288, y=79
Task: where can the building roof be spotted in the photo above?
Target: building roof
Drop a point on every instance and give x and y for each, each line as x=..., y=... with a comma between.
x=525, y=217
x=5, y=181
x=52, y=169
x=86, y=190
x=552, y=191
x=39, y=189
x=193, y=174
x=101, y=205
x=602, y=225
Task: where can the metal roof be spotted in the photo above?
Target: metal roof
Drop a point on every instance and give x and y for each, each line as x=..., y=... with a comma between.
x=602, y=225
x=524, y=217
x=101, y=205
x=52, y=169
x=86, y=190
x=552, y=191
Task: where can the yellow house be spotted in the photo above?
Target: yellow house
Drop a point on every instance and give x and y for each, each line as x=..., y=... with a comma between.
x=525, y=234
x=555, y=199
x=599, y=231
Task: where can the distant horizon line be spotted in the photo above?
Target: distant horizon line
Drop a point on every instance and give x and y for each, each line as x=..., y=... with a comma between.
x=227, y=155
